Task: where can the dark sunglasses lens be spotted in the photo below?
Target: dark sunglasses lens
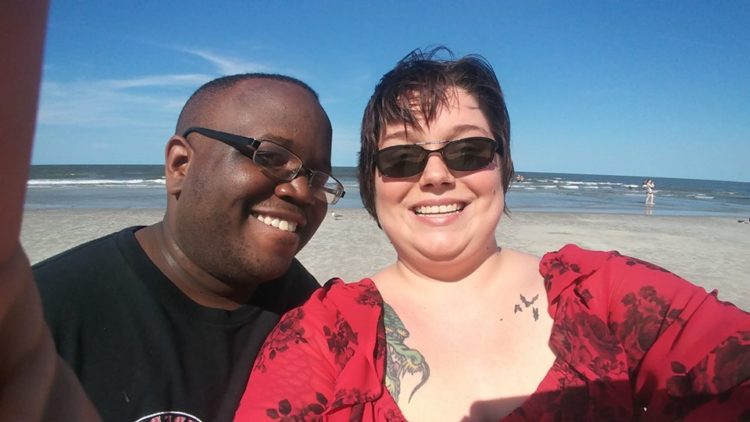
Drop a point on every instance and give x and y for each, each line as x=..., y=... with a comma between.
x=461, y=155
x=469, y=154
x=401, y=160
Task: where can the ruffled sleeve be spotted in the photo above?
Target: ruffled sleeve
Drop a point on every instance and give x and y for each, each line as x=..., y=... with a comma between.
x=315, y=364
x=684, y=354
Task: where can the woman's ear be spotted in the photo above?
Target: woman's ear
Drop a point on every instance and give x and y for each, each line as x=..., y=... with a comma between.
x=178, y=154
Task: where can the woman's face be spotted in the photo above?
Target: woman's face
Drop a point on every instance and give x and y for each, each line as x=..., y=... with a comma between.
x=441, y=215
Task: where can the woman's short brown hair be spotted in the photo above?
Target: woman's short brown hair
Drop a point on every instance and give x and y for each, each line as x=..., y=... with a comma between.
x=421, y=83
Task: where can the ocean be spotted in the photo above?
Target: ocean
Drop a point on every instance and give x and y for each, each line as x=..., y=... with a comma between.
x=142, y=186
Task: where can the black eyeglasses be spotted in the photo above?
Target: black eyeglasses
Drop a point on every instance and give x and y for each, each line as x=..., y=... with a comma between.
x=278, y=162
x=462, y=154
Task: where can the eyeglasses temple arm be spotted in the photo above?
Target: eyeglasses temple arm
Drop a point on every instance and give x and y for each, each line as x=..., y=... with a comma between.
x=229, y=138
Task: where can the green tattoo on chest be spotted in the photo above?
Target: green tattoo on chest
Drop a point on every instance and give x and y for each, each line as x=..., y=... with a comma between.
x=401, y=360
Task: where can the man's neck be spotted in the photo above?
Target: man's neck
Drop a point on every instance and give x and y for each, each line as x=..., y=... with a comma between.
x=193, y=281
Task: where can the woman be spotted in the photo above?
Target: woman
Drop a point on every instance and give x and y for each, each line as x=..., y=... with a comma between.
x=459, y=328
x=649, y=185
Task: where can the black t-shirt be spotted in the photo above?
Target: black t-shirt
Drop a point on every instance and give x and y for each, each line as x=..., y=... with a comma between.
x=141, y=348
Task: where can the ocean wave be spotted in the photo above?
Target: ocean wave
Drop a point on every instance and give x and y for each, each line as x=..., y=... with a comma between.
x=95, y=182
x=105, y=186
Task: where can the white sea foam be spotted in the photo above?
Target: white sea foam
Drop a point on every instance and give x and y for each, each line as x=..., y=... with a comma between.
x=95, y=182
x=113, y=186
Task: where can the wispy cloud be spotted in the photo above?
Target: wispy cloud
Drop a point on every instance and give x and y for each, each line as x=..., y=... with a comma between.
x=116, y=102
x=227, y=65
x=144, y=101
x=158, y=80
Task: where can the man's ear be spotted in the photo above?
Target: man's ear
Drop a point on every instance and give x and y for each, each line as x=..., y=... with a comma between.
x=178, y=155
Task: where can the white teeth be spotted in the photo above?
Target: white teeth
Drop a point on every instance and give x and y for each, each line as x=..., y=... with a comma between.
x=278, y=223
x=437, y=209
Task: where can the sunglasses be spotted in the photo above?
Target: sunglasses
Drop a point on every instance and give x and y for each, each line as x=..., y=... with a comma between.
x=278, y=162
x=466, y=154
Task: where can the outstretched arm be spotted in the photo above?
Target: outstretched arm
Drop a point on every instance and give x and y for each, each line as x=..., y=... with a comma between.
x=688, y=350
x=34, y=382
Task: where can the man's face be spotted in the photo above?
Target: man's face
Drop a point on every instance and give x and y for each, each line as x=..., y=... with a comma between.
x=227, y=206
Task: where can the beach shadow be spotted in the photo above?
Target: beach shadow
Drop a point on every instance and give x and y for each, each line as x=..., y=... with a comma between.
x=605, y=402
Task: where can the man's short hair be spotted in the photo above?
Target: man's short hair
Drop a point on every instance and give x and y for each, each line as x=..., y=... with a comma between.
x=223, y=83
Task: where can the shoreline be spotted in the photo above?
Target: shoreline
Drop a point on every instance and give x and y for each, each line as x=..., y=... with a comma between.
x=709, y=251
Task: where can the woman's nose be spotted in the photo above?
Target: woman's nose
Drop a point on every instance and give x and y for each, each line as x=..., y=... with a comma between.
x=436, y=172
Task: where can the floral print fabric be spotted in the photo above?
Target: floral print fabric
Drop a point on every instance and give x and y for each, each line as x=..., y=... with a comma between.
x=633, y=342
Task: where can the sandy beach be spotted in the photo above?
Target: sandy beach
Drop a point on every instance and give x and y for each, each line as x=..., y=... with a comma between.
x=709, y=251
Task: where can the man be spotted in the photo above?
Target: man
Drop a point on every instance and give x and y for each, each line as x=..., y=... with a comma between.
x=165, y=321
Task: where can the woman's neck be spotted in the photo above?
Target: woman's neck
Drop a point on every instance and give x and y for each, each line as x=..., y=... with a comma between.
x=442, y=281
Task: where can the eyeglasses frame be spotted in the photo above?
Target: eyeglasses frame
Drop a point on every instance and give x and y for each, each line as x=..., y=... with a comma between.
x=247, y=147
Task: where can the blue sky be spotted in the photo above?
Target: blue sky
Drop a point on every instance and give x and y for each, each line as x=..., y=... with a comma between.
x=652, y=88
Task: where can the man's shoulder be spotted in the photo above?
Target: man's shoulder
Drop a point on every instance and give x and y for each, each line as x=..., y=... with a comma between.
x=289, y=291
x=101, y=255
x=86, y=249
x=79, y=286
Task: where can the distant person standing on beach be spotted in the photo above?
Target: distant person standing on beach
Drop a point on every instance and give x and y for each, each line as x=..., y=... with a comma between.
x=163, y=321
x=648, y=184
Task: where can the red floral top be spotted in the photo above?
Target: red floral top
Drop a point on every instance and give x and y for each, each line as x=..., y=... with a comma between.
x=632, y=340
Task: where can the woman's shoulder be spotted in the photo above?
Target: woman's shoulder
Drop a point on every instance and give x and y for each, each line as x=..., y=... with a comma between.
x=573, y=265
x=337, y=300
x=522, y=259
x=521, y=265
x=337, y=290
x=572, y=257
x=336, y=309
x=575, y=261
x=612, y=277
